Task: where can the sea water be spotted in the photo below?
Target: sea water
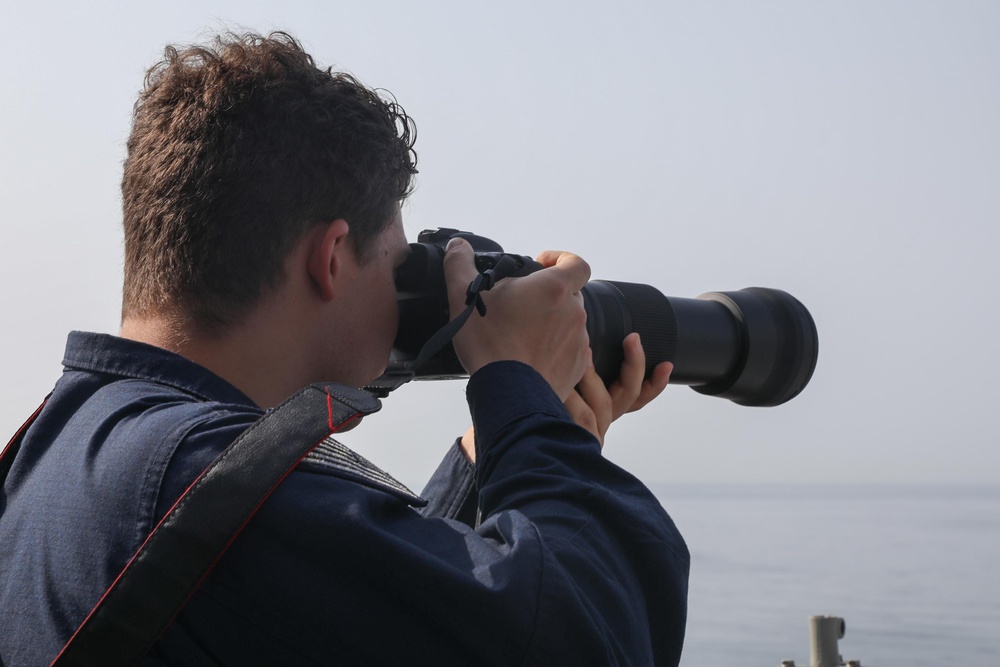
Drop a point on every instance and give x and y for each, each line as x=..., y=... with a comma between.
x=913, y=570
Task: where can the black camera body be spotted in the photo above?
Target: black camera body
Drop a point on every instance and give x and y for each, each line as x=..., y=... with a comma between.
x=755, y=346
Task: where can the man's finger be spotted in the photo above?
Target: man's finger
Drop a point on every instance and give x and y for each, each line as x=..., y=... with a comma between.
x=654, y=386
x=591, y=389
x=573, y=267
x=627, y=387
x=459, y=272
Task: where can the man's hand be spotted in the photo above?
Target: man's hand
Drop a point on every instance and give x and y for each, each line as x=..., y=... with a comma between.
x=537, y=319
x=594, y=407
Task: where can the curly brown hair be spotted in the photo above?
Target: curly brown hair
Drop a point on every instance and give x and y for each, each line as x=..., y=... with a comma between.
x=236, y=150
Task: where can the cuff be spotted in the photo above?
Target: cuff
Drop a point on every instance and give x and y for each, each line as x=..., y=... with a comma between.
x=503, y=392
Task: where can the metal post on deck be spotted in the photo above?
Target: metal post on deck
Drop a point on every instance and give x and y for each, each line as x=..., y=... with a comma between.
x=824, y=633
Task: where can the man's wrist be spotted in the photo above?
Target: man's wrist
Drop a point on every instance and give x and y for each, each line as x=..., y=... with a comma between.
x=467, y=444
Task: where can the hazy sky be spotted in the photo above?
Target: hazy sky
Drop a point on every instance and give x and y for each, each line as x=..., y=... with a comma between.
x=848, y=153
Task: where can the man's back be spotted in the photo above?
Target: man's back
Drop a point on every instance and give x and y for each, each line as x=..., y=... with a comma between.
x=126, y=429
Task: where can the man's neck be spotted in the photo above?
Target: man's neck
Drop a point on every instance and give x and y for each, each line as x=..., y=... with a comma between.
x=254, y=357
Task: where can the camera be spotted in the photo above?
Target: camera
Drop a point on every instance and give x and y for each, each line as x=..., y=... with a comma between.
x=755, y=346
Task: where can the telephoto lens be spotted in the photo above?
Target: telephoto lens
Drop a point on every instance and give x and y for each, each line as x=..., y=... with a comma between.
x=755, y=346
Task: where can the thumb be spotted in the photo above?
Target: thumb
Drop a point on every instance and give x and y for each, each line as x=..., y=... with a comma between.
x=459, y=271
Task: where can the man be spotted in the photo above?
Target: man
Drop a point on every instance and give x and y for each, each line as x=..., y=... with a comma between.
x=262, y=228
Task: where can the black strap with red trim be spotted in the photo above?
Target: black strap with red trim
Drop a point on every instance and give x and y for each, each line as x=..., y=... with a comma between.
x=198, y=529
x=12, y=447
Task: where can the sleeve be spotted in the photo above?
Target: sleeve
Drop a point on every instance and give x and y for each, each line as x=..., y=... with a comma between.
x=574, y=563
x=614, y=559
x=451, y=492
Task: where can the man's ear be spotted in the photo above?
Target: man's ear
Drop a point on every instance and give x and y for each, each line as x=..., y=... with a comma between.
x=329, y=250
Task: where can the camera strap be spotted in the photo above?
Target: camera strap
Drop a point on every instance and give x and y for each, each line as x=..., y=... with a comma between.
x=197, y=530
x=507, y=265
x=14, y=445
